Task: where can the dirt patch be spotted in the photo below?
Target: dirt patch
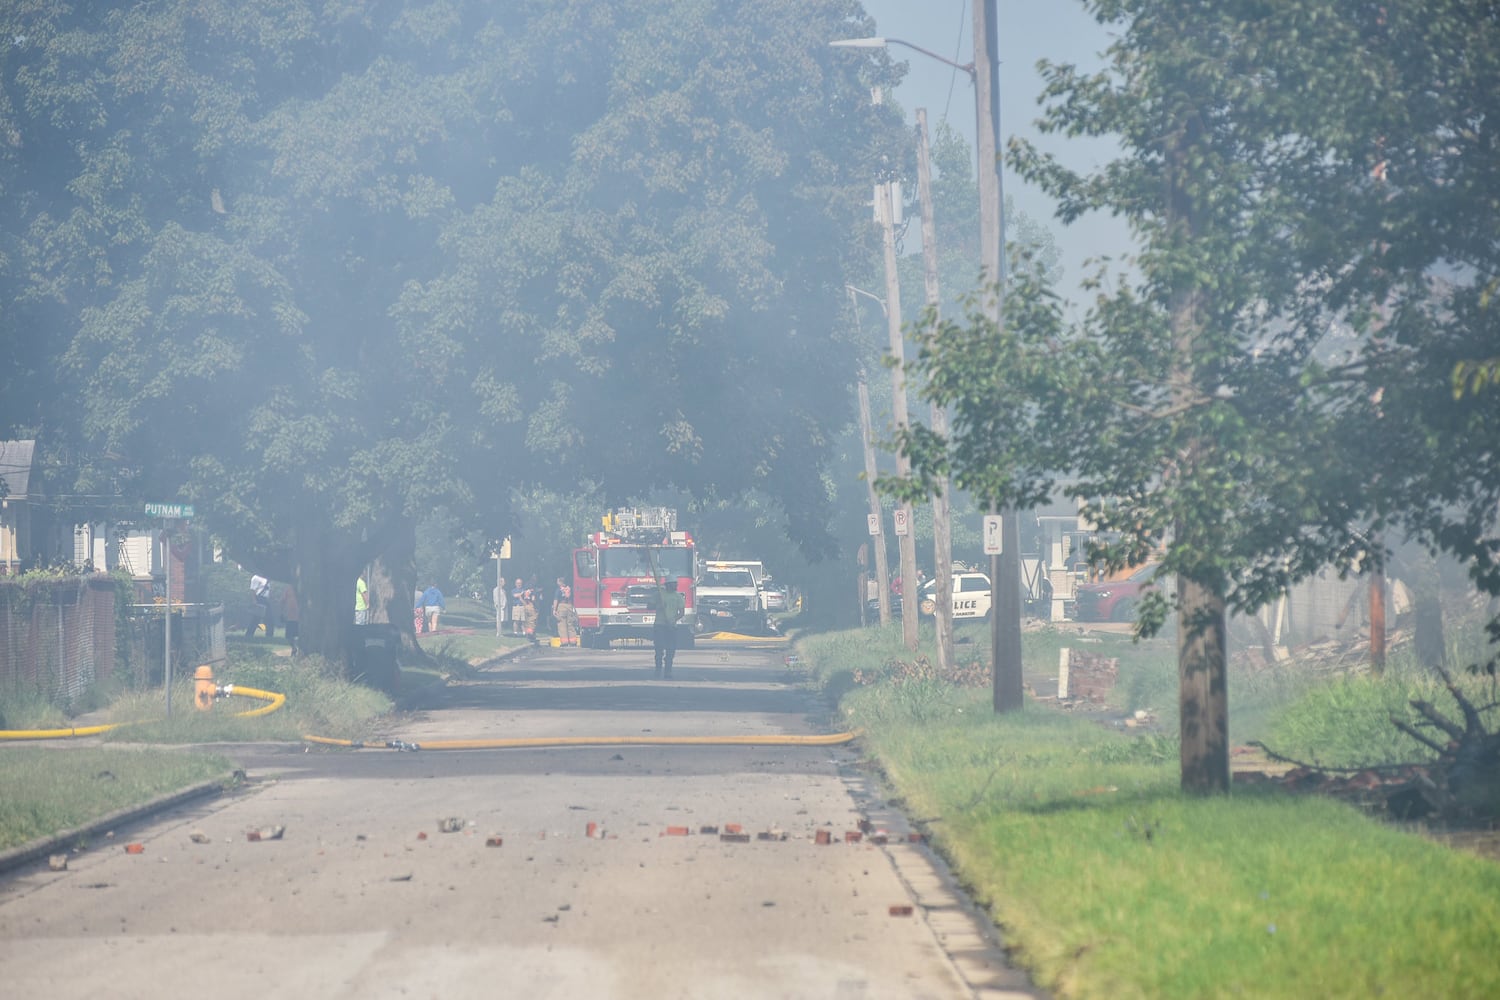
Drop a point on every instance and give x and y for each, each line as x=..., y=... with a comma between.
x=1482, y=840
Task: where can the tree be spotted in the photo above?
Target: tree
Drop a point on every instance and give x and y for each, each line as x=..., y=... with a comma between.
x=672, y=278
x=1208, y=413
x=322, y=269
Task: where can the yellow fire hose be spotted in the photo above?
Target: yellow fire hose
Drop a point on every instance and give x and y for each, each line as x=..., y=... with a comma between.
x=275, y=700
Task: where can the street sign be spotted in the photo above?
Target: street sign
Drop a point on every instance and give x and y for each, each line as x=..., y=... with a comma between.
x=171, y=511
x=992, y=546
x=902, y=527
x=874, y=522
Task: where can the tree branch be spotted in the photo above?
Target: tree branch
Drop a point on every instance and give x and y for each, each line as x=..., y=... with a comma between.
x=1412, y=731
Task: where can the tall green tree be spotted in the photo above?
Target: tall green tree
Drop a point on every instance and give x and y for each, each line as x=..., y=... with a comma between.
x=323, y=268
x=1282, y=169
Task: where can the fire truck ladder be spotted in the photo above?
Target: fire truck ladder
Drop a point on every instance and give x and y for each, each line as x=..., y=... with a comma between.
x=641, y=523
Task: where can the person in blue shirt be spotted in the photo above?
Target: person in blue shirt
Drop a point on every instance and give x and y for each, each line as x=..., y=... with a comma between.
x=432, y=601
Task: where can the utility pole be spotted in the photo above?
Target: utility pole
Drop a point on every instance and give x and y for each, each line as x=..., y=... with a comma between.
x=166, y=548
x=1005, y=587
x=942, y=539
x=877, y=537
x=906, y=542
x=1377, y=616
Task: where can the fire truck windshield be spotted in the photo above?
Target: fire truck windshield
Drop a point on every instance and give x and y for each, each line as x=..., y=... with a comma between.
x=632, y=560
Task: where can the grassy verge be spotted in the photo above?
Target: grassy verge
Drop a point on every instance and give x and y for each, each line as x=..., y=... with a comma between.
x=48, y=789
x=44, y=789
x=467, y=633
x=1109, y=882
x=318, y=702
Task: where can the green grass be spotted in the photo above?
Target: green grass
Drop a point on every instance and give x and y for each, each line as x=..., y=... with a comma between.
x=318, y=702
x=1108, y=882
x=47, y=789
x=476, y=648
x=44, y=789
x=1345, y=721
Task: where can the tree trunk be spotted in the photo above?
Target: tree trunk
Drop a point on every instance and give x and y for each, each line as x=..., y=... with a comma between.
x=328, y=567
x=393, y=581
x=1427, y=609
x=1203, y=688
x=1202, y=622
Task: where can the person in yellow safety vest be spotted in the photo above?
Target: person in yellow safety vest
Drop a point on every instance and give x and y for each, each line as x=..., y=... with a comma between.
x=669, y=607
x=361, y=601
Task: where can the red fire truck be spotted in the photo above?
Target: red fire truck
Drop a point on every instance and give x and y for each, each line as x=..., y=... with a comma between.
x=615, y=575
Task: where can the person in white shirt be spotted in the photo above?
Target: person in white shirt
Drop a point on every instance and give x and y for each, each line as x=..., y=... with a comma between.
x=261, y=588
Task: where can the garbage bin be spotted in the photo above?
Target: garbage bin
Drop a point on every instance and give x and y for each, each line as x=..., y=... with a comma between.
x=373, y=656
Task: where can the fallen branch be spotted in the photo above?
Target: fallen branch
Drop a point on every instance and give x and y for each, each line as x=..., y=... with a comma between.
x=1432, y=715
x=1283, y=759
x=1415, y=734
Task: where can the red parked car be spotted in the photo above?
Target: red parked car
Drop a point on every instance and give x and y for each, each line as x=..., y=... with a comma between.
x=1113, y=600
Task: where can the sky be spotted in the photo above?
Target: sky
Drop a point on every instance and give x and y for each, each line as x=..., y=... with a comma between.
x=1029, y=30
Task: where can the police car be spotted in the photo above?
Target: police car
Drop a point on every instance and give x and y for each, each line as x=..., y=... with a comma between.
x=971, y=596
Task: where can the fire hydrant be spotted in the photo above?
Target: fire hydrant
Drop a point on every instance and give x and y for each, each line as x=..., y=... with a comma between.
x=204, y=688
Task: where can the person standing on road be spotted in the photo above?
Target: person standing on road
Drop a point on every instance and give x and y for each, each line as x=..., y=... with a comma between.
x=528, y=614
x=669, y=607
x=361, y=601
x=564, y=615
x=517, y=609
x=432, y=600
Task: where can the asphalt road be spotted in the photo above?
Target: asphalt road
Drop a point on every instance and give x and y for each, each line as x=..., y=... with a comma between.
x=572, y=871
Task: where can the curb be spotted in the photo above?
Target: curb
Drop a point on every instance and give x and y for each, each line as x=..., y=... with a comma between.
x=63, y=839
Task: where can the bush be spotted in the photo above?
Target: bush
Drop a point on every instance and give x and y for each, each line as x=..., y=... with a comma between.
x=1346, y=722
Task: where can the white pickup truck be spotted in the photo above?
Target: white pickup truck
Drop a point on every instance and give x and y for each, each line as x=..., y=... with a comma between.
x=729, y=599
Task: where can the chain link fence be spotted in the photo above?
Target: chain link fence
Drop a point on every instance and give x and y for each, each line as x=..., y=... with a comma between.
x=57, y=637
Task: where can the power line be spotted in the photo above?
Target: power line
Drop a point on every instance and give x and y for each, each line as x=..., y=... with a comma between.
x=963, y=11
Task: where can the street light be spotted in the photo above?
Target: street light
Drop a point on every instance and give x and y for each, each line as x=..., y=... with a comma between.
x=880, y=43
x=1005, y=569
x=869, y=295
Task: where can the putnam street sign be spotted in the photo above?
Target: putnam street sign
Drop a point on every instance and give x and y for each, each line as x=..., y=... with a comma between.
x=170, y=511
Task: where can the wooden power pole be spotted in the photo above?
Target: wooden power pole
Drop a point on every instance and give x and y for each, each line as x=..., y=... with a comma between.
x=906, y=542
x=877, y=537
x=1005, y=587
x=942, y=538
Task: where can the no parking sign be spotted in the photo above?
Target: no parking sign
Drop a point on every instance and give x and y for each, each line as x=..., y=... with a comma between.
x=992, y=539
